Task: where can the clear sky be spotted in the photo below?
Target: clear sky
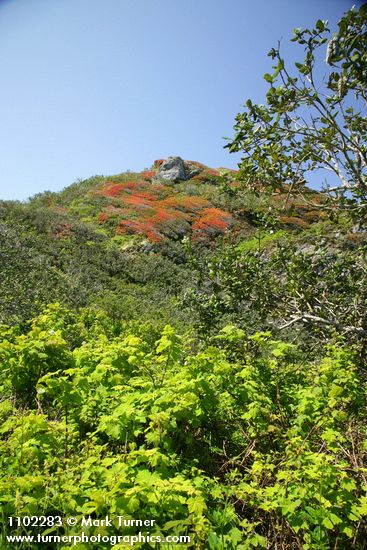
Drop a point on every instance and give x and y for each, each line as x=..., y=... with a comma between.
x=101, y=86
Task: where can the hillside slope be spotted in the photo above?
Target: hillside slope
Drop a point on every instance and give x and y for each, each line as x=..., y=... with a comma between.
x=120, y=242
x=164, y=203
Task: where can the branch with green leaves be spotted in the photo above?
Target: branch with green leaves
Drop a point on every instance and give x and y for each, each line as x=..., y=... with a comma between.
x=312, y=124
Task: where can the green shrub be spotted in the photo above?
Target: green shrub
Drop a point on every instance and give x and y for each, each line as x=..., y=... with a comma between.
x=243, y=445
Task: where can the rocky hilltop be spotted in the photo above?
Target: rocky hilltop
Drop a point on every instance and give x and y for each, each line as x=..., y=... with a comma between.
x=176, y=198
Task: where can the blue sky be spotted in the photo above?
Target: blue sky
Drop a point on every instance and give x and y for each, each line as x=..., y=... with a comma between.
x=101, y=86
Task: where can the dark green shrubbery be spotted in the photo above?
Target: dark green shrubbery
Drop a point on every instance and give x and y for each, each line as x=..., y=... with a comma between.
x=49, y=255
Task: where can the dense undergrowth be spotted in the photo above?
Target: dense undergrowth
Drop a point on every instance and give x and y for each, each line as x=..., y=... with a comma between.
x=245, y=444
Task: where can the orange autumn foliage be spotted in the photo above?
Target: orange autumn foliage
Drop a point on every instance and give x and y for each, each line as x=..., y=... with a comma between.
x=212, y=220
x=139, y=206
x=147, y=174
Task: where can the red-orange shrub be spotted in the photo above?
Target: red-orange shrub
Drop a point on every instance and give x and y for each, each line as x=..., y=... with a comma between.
x=147, y=174
x=113, y=190
x=212, y=221
x=206, y=175
x=146, y=228
x=103, y=216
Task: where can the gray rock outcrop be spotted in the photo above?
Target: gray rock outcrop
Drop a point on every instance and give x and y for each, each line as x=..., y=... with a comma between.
x=176, y=169
x=172, y=169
